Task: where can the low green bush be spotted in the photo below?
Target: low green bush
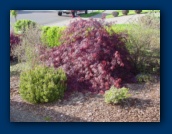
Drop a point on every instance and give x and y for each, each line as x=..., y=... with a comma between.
x=144, y=78
x=23, y=25
x=138, y=11
x=42, y=84
x=116, y=95
x=125, y=12
x=51, y=35
x=115, y=13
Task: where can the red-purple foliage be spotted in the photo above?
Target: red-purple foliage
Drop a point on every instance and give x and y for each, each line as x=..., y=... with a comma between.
x=14, y=40
x=91, y=57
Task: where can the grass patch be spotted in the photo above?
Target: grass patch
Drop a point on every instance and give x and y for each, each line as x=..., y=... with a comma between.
x=91, y=14
x=131, y=12
x=119, y=28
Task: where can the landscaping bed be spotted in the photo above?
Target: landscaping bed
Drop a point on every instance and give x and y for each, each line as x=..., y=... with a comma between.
x=143, y=106
x=100, y=72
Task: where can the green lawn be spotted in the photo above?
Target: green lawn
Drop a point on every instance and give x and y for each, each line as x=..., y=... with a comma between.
x=118, y=28
x=95, y=12
x=131, y=12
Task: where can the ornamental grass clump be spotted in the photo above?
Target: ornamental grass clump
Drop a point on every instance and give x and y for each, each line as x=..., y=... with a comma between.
x=14, y=41
x=143, y=43
x=150, y=20
x=42, y=84
x=28, y=50
x=92, y=58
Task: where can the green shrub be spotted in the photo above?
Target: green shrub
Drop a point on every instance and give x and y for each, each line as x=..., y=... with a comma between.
x=144, y=78
x=151, y=20
x=28, y=51
x=125, y=12
x=143, y=43
x=115, y=95
x=42, y=84
x=14, y=14
x=23, y=25
x=115, y=13
x=51, y=35
x=138, y=11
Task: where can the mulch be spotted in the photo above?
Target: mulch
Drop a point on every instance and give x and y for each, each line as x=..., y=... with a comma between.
x=142, y=106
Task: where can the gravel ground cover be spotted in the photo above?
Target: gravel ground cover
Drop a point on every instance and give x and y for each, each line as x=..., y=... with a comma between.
x=142, y=106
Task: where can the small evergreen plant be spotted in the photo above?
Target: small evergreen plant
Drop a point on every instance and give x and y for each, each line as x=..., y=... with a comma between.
x=116, y=95
x=125, y=12
x=42, y=84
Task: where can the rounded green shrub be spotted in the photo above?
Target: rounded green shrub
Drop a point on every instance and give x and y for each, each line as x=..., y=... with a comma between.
x=115, y=95
x=23, y=25
x=138, y=11
x=115, y=13
x=51, y=35
x=42, y=84
x=125, y=12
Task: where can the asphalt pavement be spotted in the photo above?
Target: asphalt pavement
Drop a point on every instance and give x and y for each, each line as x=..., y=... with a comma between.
x=42, y=17
x=50, y=17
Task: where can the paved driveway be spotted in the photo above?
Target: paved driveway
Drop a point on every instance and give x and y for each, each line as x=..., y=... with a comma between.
x=42, y=17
